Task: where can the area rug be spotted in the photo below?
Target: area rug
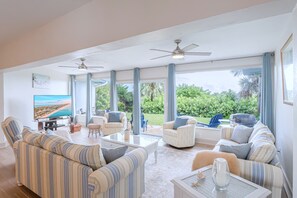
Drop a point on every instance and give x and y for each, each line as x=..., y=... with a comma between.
x=172, y=163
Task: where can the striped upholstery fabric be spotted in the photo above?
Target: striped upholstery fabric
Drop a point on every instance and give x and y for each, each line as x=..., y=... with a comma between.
x=52, y=143
x=12, y=129
x=268, y=176
x=50, y=175
x=122, y=178
x=226, y=132
x=184, y=136
x=262, y=151
x=88, y=155
x=31, y=137
x=53, y=176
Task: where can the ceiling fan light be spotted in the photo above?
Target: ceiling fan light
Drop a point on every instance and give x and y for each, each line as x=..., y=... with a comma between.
x=82, y=68
x=178, y=56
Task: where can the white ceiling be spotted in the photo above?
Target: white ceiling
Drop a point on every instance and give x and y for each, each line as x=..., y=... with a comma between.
x=21, y=16
x=238, y=33
x=238, y=40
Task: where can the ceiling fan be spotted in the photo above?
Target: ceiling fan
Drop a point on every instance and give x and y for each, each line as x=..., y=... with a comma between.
x=82, y=67
x=179, y=53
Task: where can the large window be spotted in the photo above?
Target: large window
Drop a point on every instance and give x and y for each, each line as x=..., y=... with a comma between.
x=102, y=96
x=152, y=102
x=125, y=98
x=204, y=94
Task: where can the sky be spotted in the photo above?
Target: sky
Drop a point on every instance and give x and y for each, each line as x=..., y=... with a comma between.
x=214, y=81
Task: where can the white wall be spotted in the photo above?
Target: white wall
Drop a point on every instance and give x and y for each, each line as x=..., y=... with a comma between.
x=81, y=95
x=294, y=21
x=284, y=125
x=18, y=92
x=2, y=138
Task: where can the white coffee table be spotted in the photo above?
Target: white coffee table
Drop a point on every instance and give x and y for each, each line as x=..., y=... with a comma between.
x=238, y=187
x=149, y=143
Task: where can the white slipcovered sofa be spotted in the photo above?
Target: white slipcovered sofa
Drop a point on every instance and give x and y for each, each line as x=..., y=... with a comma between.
x=183, y=136
x=262, y=166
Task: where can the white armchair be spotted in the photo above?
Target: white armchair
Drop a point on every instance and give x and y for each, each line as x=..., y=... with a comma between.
x=108, y=128
x=184, y=136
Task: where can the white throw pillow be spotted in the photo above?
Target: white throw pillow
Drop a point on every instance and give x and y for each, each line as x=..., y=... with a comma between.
x=259, y=125
x=264, y=134
x=262, y=151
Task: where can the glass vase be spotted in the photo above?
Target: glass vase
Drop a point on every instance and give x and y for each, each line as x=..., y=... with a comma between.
x=220, y=174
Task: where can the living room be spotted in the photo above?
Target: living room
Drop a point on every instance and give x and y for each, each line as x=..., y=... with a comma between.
x=220, y=31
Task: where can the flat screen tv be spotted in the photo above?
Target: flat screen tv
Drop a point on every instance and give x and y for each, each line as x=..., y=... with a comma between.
x=52, y=106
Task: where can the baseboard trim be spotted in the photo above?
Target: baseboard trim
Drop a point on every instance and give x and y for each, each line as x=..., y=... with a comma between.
x=287, y=185
x=206, y=141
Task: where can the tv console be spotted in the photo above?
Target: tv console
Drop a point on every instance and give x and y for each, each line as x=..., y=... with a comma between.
x=52, y=124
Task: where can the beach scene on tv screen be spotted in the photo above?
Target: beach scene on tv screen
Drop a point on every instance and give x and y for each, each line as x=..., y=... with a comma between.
x=52, y=106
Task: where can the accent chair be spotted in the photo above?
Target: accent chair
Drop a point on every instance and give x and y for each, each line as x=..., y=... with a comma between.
x=110, y=126
x=183, y=136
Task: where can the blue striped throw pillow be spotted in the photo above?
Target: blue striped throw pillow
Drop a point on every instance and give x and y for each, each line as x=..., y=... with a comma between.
x=90, y=155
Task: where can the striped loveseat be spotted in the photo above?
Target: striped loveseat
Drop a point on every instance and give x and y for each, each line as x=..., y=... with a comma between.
x=52, y=167
x=263, y=167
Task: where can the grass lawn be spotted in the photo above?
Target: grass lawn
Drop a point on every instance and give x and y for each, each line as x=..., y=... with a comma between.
x=158, y=119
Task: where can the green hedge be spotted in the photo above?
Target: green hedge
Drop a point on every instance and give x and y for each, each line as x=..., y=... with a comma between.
x=191, y=100
x=195, y=101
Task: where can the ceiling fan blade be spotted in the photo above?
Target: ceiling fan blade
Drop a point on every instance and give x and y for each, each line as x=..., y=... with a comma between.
x=198, y=53
x=159, y=50
x=190, y=47
x=95, y=67
x=161, y=57
x=68, y=66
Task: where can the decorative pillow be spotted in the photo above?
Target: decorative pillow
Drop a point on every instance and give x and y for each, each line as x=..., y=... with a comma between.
x=114, y=117
x=114, y=153
x=180, y=122
x=241, y=151
x=263, y=134
x=262, y=151
x=52, y=143
x=61, y=133
x=259, y=125
x=31, y=137
x=241, y=134
x=88, y=155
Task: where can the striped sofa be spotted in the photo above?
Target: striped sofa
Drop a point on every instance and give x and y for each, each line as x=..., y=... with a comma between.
x=41, y=168
x=266, y=174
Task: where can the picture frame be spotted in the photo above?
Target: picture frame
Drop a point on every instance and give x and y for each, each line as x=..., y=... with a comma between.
x=40, y=81
x=286, y=53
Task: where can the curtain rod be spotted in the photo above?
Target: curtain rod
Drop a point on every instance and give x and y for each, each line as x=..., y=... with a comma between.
x=234, y=58
x=216, y=60
x=224, y=59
